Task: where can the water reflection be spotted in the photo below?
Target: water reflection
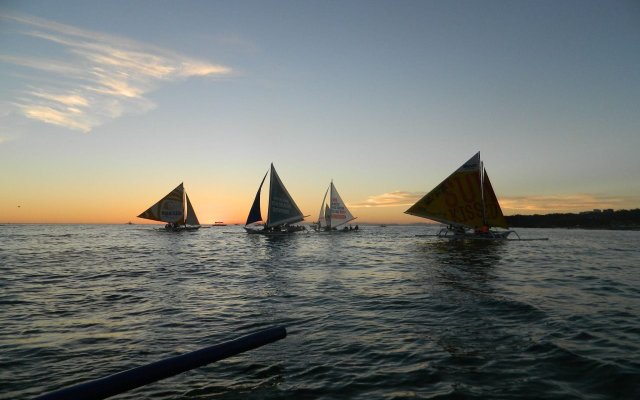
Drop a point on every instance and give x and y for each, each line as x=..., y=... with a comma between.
x=467, y=266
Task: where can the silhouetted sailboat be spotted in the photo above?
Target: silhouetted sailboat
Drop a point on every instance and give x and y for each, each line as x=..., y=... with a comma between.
x=466, y=203
x=282, y=211
x=171, y=209
x=335, y=213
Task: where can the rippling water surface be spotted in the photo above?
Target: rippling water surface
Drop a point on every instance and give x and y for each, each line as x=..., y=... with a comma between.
x=378, y=313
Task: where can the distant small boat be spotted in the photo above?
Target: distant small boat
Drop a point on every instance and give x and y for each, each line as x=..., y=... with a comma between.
x=333, y=214
x=129, y=223
x=282, y=211
x=219, y=223
x=466, y=203
x=171, y=209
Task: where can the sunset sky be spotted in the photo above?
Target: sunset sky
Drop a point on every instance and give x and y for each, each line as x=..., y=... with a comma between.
x=106, y=106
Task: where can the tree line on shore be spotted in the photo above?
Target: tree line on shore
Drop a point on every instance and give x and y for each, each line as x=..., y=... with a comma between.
x=596, y=219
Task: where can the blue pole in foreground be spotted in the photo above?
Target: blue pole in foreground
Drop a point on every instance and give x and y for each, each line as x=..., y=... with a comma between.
x=140, y=376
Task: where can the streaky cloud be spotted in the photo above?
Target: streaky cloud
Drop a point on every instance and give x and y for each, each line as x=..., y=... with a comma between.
x=564, y=203
x=56, y=117
x=99, y=77
x=197, y=69
x=391, y=199
x=41, y=64
x=67, y=100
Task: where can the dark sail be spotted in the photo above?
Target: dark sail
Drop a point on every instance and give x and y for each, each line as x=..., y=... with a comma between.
x=493, y=212
x=282, y=208
x=192, y=219
x=255, y=215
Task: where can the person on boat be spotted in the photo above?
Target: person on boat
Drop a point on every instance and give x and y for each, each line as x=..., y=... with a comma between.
x=483, y=230
x=356, y=228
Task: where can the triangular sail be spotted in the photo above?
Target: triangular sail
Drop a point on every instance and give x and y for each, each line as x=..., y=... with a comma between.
x=457, y=200
x=282, y=208
x=322, y=213
x=254, y=214
x=340, y=214
x=192, y=219
x=493, y=212
x=169, y=209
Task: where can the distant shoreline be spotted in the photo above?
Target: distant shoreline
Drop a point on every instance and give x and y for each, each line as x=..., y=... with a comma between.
x=627, y=220
x=608, y=219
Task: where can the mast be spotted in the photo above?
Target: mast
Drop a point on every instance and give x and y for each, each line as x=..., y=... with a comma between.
x=332, y=201
x=484, y=207
x=267, y=225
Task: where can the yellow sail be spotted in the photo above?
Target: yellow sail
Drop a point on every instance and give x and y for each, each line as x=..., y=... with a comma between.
x=169, y=209
x=458, y=200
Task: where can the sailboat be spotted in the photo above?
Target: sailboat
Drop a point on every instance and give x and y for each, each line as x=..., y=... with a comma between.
x=466, y=203
x=282, y=210
x=334, y=214
x=171, y=209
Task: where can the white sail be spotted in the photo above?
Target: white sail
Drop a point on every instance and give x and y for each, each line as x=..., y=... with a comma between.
x=340, y=214
x=333, y=213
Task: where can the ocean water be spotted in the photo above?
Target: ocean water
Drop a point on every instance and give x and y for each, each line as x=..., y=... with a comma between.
x=374, y=314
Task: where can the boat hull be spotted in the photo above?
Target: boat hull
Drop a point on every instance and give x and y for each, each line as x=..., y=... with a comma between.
x=325, y=230
x=182, y=228
x=277, y=232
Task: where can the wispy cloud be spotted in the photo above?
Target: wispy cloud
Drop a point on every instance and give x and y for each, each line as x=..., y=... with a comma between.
x=564, y=203
x=99, y=76
x=392, y=199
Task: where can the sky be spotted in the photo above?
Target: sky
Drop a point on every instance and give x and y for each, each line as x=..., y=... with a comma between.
x=106, y=106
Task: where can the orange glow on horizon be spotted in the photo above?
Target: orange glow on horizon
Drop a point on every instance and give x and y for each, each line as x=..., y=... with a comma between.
x=97, y=205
